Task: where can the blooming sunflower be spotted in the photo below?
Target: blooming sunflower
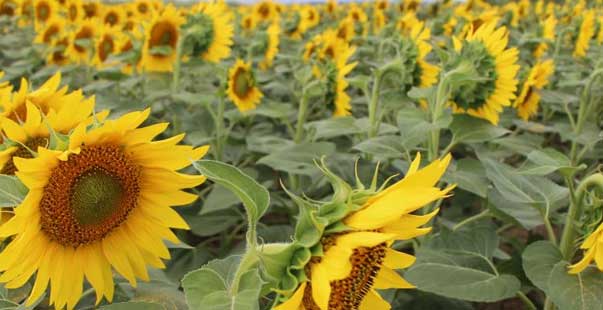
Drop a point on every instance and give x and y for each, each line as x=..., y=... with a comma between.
x=44, y=10
x=265, y=11
x=59, y=54
x=587, y=30
x=92, y=8
x=345, y=29
x=248, y=22
x=331, y=7
x=425, y=74
x=242, y=88
x=8, y=8
x=143, y=8
x=162, y=32
x=215, y=32
x=66, y=112
x=26, y=12
x=594, y=251
x=113, y=15
x=82, y=39
x=272, y=43
x=548, y=33
x=105, y=46
x=538, y=77
x=406, y=22
x=379, y=21
x=51, y=30
x=74, y=11
x=485, y=50
x=47, y=96
x=349, y=248
x=106, y=202
x=310, y=17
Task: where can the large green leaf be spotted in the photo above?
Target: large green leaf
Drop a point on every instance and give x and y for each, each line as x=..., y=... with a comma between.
x=470, y=175
x=216, y=286
x=469, y=129
x=444, y=276
x=133, y=305
x=333, y=127
x=12, y=191
x=254, y=196
x=382, y=147
x=539, y=259
x=575, y=292
x=298, y=159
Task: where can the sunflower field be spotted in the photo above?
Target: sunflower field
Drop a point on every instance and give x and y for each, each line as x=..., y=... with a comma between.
x=166, y=155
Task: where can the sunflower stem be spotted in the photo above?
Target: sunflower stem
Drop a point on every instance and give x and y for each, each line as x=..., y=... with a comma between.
x=374, y=104
x=301, y=117
x=575, y=211
x=176, y=72
x=477, y=217
x=219, y=121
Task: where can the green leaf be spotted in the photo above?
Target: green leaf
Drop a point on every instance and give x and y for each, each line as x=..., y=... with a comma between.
x=213, y=286
x=12, y=191
x=333, y=127
x=547, y=161
x=575, y=292
x=448, y=279
x=254, y=196
x=469, y=174
x=539, y=259
x=267, y=144
x=382, y=147
x=469, y=129
x=413, y=125
x=219, y=198
x=133, y=305
x=298, y=159
x=525, y=214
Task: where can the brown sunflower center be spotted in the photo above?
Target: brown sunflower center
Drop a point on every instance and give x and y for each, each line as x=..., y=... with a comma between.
x=42, y=11
x=50, y=33
x=23, y=151
x=348, y=293
x=90, y=10
x=163, y=33
x=264, y=10
x=59, y=56
x=242, y=83
x=142, y=8
x=73, y=12
x=89, y=195
x=111, y=18
x=7, y=8
x=105, y=47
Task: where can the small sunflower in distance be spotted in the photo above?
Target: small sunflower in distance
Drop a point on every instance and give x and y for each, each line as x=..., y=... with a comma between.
x=81, y=49
x=242, y=88
x=162, y=35
x=44, y=10
x=106, y=202
x=587, y=31
x=272, y=43
x=211, y=31
x=529, y=97
x=548, y=33
x=484, y=52
x=352, y=235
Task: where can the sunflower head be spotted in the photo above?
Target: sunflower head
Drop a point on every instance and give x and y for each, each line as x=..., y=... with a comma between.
x=74, y=10
x=44, y=10
x=82, y=40
x=51, y=30
x=242, y=88
x=113, y=15
x=92, y=8
x=209, y=32
x=8, y=7
x=162, y=35
x=342, y=251
x=529, y=96
x=486, y=71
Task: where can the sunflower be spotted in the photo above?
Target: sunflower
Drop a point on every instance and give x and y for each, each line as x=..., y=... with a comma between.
x=242, y=88
x=355, y=259
x=248, y=22
x=587, y=30
x=331, y=7
x=538, y=77
x=594, y=251
x=74, y=11
x=26, y=12
x=345, y=29
x=272, y=43
x=548, y=33
x=265, y=11
x=105, y=203
x=5, y=88
x=162, y=32
x=44, y=10
x=47, y=96
x=143, y=8
x=125, y=44
x=59, y=54
x=379, y=21
x=414, y=49
x=310, y=17
x=113, y=15
x=8, y=7
x=381, y=5
x=105, y=46
x=92, y=8
x=406, y=22
x=82, y=39
x=485, y=49
x=216, y=32
x=65, y=111
x=51, y=30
